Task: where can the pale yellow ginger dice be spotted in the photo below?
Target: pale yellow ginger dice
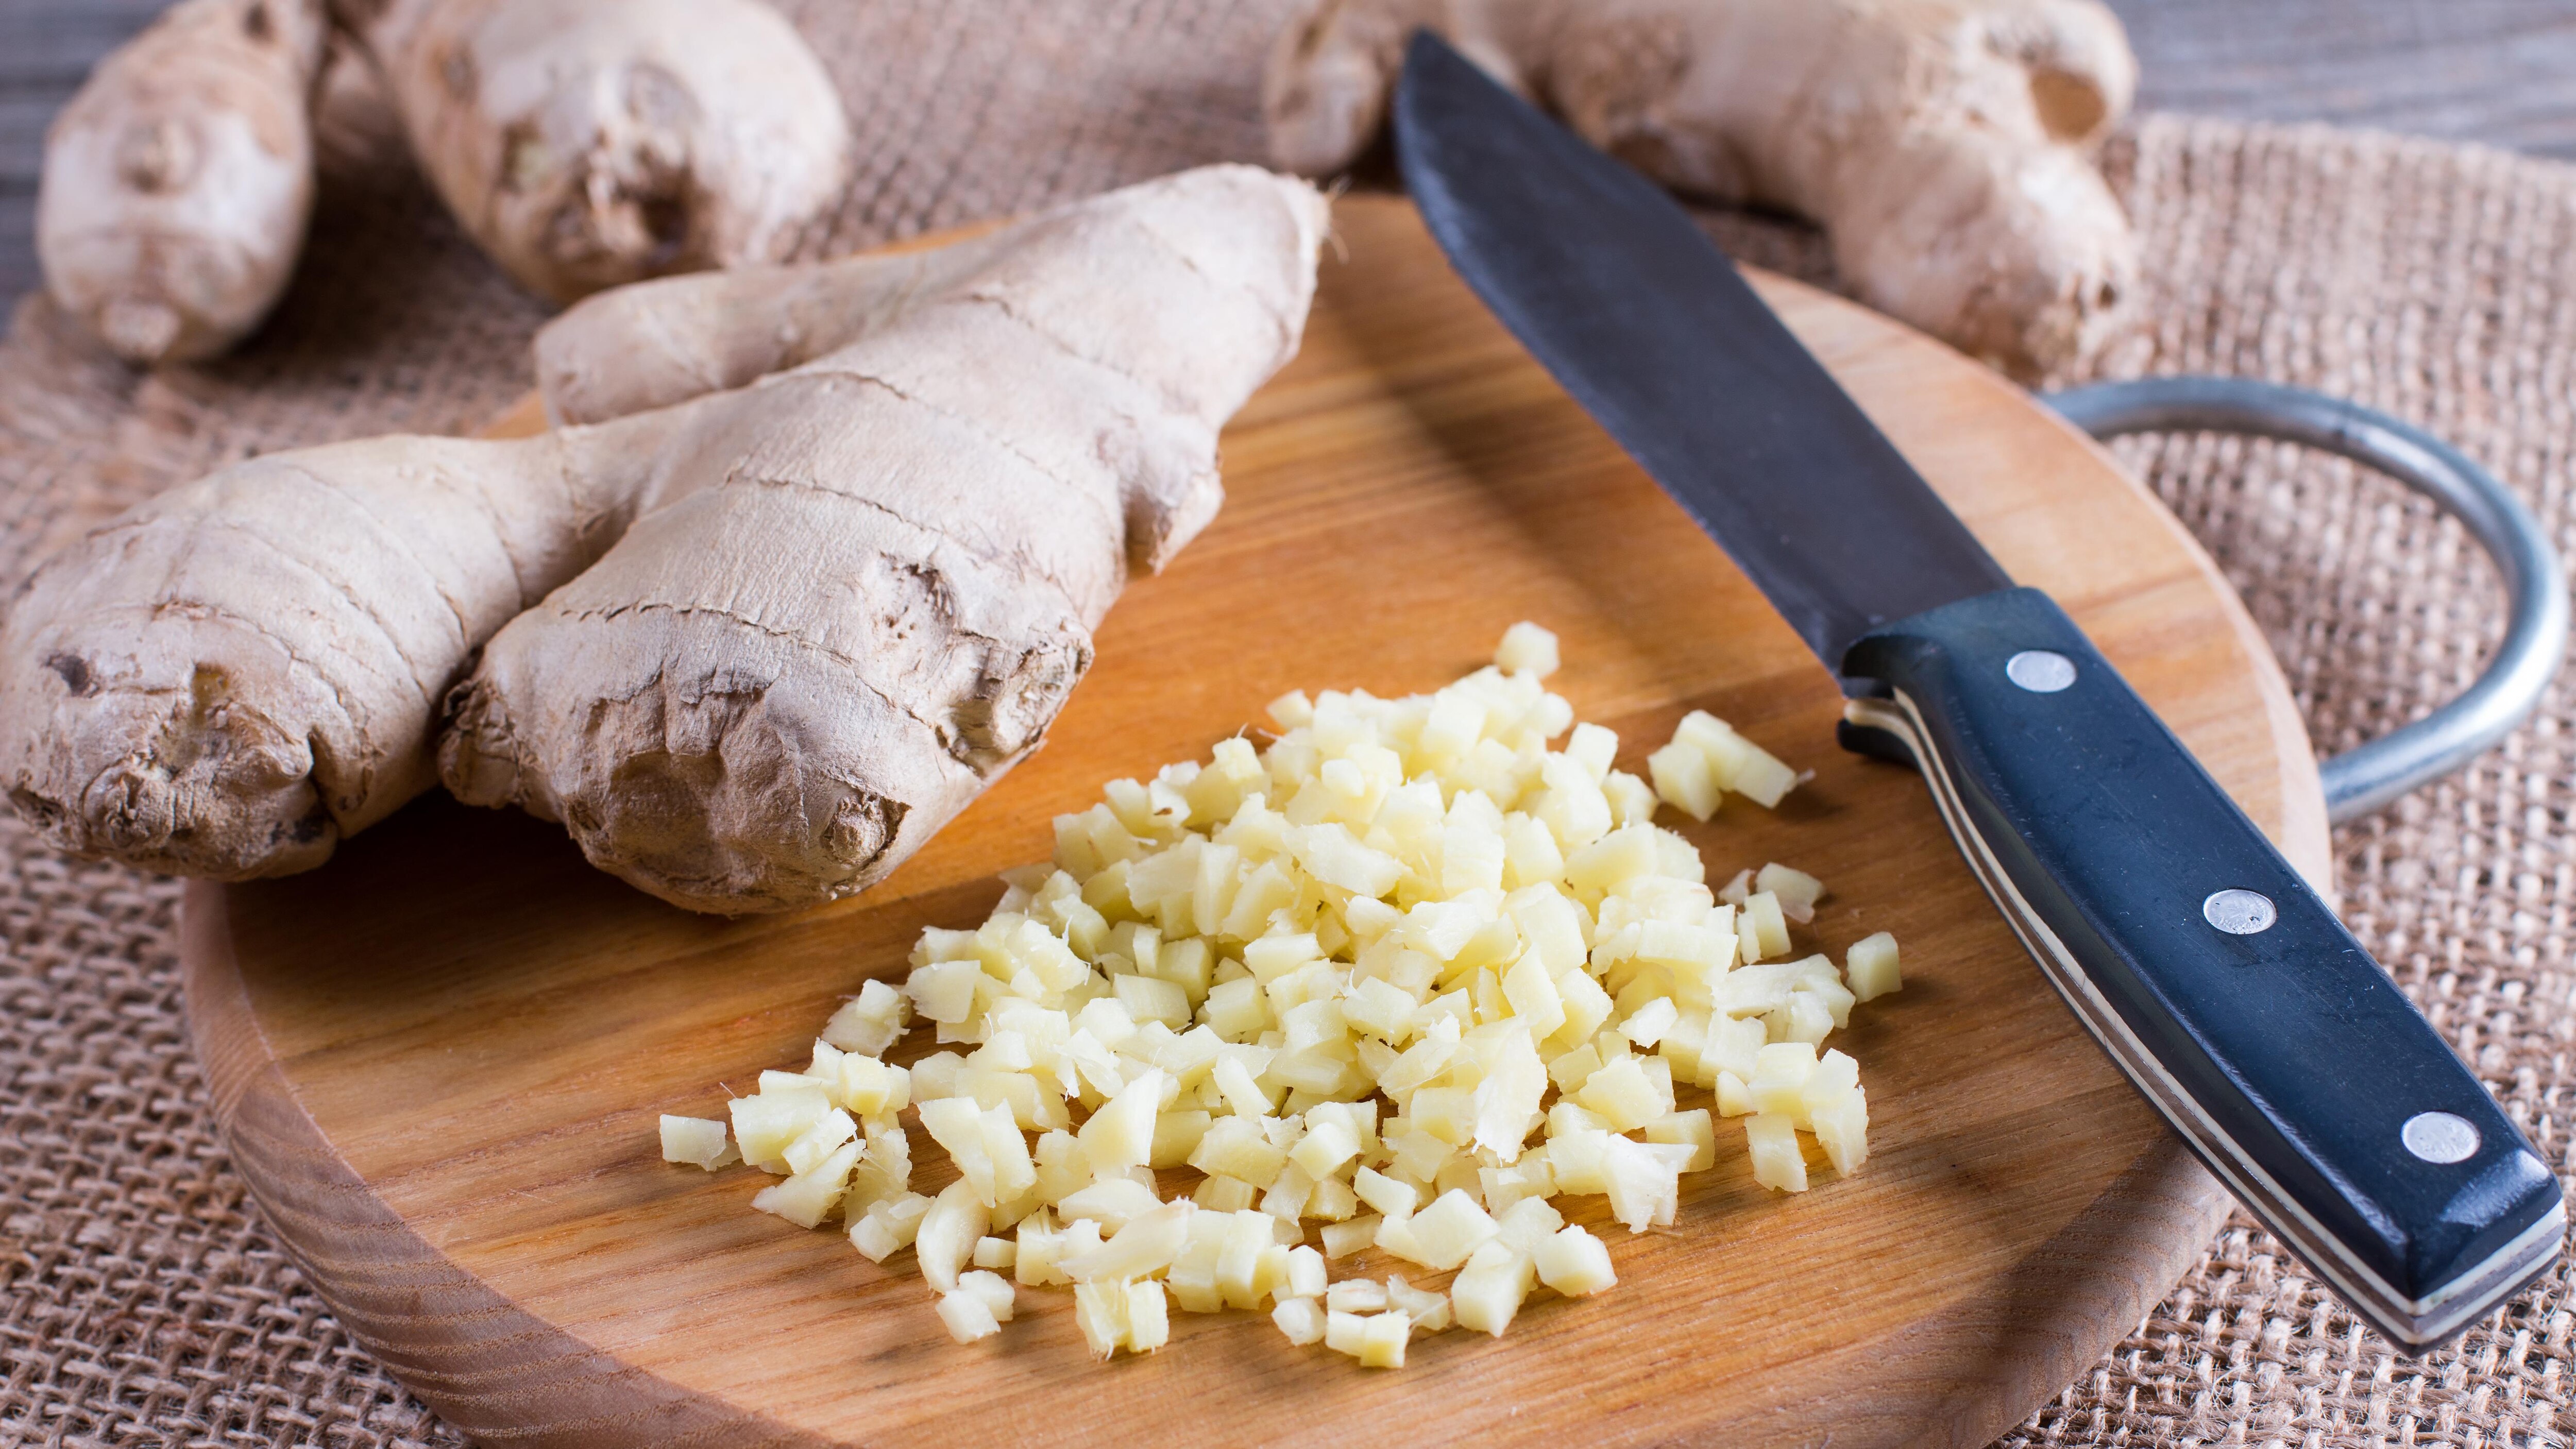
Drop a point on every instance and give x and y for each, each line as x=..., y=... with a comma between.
x=1305, y=1277
x=1796, y=891
x=1527, y=649
x=1693, y=1129
x=869, y=1022
x=967, y=1316
x=1382, y=1338
x=1574, y=1263
x=1148, y=1318
x=993, y=1252
x=1441, y=1236
x=1120, y=1134
x=1684, y=780
x=946, y=1239
x=806, y=1198
x=1769, y=925
x=765, y=1123
x=1870, y=966
x=1350, y=1235
x=1428, y=1309
x=820, y=1141
x=1300, y=1319
x=888, y=1227
x=1643, y=1180
x=992, y=1290
x=696, y=1142
x=1356, y=1296
x=1780, y=1073
x=1842, y=1129
x=1146, y=1244
x=1624, y=1096
x=1734, y=1098
x=1489, y=1291
x=1225, y=1194
x=1772, y=1142
x=1100, y=1312
x=1647, y=1025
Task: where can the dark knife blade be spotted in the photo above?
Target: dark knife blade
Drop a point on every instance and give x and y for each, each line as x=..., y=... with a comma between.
x=2201, y=961
x=1620, y=295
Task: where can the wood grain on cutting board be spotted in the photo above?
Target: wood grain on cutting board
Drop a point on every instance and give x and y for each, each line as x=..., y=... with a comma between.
x=439, y=1060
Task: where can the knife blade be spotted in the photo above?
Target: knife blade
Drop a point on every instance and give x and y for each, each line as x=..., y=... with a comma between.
x=2199, y=959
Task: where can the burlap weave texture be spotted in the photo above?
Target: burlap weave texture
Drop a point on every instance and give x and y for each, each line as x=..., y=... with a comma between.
x=144, y=1302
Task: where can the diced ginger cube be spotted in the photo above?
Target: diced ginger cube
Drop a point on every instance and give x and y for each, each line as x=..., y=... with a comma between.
x=1623, y=1095
x=1842, y=1129
x=1770, y=924
x=946, y=1239
x=1647, y=1024
x=1328, y=1144
x=1100, y=1311
x=1760, y=777
x=1149, y=998
x=1795, y=890
x=1491, y=1288
x=1342, y=1332
x=1632, y=801
x=1306, y=1273
x=763, y=1125
x=1120, y=1134
x=1734, y=1099
x=888, y=1227
x=1300, y=1319
x=995, y=1252
x=1527, y=649
x=1780, y=1072
x=1684, y=781
x=695, y=1141
x=1225, y=1194
x=992, y=1289
x=810, y=1196
x=1382, y=1340
x=1443, y=1235
x=1693, y=1129
x=1382, y=1009
x=1428, y=1309
x=1350, y=1235
x=869, y=1022
x=967, y=1316
x=1772, y=1140
x=1356, y=1295
x=1574, y=1263
x=1871, y=967
x=1148, y=1318
x=1643, y=1179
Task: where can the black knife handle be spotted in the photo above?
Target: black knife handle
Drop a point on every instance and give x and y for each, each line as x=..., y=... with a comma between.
x=2206, y=966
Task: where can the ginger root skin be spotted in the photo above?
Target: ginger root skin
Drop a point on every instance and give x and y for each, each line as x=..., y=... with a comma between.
x=179, y=179
x=589, y=143
x=227, y=679
x=1943, y=145
x=771, y=691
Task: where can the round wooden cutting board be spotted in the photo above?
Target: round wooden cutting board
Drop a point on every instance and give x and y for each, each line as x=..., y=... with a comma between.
x=439, y=1059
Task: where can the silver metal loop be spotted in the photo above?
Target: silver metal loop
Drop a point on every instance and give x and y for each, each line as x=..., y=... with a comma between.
x=2366, y=778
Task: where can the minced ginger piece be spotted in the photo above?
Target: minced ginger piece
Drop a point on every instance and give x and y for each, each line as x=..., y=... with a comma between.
x=1408, y=974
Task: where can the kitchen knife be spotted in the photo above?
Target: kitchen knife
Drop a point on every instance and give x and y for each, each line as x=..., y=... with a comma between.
x=2199, y=959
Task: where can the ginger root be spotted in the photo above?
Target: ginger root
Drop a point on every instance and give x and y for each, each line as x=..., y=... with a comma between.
x=587, y=143
x=839, y=601
x=178, y=181
x=774, y=689
x=1942, y=144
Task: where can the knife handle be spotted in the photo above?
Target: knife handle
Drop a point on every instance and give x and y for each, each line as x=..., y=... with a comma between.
x=2198, y=957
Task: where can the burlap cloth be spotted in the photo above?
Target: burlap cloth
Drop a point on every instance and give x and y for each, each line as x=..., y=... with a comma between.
x=145, y=1303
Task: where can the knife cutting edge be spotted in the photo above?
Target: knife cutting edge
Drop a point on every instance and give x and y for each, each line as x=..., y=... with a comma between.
x=2192, y=951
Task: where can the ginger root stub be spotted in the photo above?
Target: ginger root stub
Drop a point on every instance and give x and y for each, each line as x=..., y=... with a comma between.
x=885, y=584
x=178, y=180
x=586, y=143
x=773, y=690
x=1942, y=144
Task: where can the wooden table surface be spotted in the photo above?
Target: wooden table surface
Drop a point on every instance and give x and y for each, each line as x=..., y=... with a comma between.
x=2499, y=71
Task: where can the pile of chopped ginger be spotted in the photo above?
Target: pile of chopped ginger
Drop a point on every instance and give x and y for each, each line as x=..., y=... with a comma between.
x=1349, y=979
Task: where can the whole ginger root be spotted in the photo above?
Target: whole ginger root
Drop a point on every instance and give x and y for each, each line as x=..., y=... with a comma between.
x=775, y=688
x=786, y=630
x=1943, y=145
x=587, y=143
x=178, y=181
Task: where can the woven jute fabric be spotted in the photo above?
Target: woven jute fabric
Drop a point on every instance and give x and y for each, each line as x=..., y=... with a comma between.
x=144, y=1301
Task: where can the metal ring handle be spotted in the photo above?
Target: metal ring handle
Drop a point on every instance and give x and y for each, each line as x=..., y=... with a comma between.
x=2366, y=778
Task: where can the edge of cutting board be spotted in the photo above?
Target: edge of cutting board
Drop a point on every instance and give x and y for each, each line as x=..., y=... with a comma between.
x=498, y=1370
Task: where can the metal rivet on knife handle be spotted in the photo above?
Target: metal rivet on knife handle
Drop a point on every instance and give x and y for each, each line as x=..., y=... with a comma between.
x=2241, y=913
x=2440, y=1137
x=2041, y=671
